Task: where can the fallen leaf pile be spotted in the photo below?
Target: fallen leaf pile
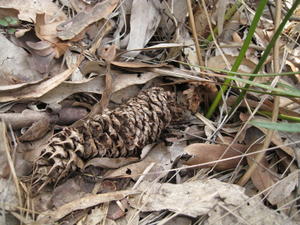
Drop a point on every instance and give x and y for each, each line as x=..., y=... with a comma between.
x=103, y=108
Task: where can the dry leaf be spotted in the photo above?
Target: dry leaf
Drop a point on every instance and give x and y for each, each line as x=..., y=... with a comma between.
x=70, y=29
x=276, y=139
x=37, y=130
x=14, y=66
x=204, y=153
x=204, y=197
x=262, y=177
x=28, y=9
x=95, y=85
x=82, y=203
x=284, y=188
x=73, y=189
x=110, y=163
x=162, y=157
x=34, y=89
x=144, y=20
x=46, y=30
x=136, y=64
x=217, y=62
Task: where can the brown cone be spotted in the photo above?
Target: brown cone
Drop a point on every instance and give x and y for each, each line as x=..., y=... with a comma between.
x=122, y=132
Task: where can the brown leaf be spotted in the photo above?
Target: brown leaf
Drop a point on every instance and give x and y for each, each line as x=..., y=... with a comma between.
x=108, y=54
x=262, y=177
x=114, y=210
x=37, y=130
x=42, y=48
x=45, y=30
x=204, y=153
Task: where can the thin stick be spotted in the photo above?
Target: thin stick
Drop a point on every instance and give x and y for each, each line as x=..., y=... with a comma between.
x=194, y=32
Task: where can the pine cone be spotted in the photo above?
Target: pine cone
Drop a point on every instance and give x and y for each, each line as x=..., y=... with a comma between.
x=122, y=132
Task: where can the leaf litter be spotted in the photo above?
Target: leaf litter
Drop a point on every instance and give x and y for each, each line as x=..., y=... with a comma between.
x=86, y=138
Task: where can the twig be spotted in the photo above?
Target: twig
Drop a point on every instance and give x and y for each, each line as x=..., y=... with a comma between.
x=194, y=32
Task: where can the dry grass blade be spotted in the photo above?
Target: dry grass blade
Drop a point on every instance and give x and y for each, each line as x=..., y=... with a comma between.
x=5, y=146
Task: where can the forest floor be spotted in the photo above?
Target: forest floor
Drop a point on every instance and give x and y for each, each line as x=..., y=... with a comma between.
x=149, y=112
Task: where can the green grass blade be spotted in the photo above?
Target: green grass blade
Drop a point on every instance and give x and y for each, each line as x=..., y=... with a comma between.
x=281, y=116
x=288, y=127
x=266, y=52
x=291, y=91
x=239, y=59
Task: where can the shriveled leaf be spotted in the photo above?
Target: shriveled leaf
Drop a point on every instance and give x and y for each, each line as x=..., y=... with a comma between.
x=276, y=138
x=24, y=119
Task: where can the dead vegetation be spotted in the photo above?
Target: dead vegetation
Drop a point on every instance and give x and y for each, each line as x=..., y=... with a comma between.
x=112, y=112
